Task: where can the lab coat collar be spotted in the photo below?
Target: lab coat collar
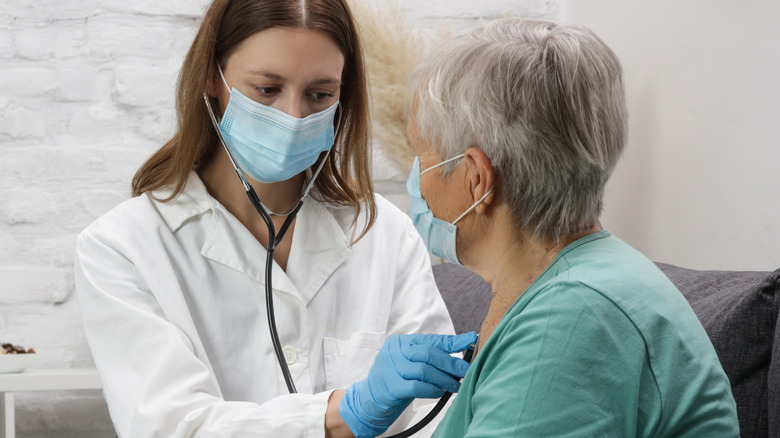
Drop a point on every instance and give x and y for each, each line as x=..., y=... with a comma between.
x=319, y=243
x=193, y=201
x=230, y=243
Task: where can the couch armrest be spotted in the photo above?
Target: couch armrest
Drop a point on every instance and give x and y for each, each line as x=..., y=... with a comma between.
x=773, y=381
x=739, y=311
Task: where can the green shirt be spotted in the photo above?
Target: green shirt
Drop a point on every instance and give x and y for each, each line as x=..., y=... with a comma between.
x=601, y=344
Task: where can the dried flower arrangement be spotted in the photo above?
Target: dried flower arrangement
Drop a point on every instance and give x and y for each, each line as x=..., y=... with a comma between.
x=391, y=49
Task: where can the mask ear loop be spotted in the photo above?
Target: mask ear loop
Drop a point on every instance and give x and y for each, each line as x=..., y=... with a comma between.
x=224, y=81
x=457, y=157
x=473, y=206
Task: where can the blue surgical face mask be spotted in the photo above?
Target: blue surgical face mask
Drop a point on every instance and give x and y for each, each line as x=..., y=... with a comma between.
x=439, y=236
x=270, y=145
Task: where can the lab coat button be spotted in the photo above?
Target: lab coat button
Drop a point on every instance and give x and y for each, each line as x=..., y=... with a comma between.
x=289, y=355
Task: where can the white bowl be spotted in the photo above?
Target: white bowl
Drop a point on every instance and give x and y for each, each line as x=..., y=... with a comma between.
x=16, y=363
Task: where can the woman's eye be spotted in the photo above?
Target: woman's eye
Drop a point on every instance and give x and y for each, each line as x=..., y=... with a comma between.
x=267, y=91
x=321, y=96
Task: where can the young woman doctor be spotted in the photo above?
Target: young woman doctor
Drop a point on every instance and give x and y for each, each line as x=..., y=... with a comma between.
x=171, y=282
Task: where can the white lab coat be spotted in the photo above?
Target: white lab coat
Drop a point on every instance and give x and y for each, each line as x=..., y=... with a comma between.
x=173, y=302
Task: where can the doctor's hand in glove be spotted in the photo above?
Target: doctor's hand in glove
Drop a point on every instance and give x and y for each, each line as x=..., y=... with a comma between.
x=407, y=367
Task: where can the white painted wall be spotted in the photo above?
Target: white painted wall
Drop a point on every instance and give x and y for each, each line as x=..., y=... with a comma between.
x=86, y=94
x=698, y=184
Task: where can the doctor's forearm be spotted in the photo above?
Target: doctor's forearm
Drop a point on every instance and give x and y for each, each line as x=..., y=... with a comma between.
x=335, y=427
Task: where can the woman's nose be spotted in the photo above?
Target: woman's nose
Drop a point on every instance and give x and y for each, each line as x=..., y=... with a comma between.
x=293, y=106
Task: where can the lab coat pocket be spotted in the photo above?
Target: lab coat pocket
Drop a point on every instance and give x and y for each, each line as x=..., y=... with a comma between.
x=347, y=361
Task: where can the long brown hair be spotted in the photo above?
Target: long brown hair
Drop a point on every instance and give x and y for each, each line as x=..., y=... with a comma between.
x=345, y=178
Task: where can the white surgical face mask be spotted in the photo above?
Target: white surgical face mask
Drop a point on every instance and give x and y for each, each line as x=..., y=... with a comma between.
x=270, y=145
x=439, y=236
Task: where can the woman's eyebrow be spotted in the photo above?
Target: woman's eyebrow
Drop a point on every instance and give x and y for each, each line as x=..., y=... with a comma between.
x=278, y=77
x=266, y=74
x=327, y=81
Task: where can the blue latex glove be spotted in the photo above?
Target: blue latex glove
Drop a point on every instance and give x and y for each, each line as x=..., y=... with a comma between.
x=407, y=367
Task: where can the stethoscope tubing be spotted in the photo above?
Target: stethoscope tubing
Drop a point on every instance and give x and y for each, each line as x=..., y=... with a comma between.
x=273, y=241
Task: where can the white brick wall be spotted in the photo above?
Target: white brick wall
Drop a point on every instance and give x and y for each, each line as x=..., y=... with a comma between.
x=86, y=94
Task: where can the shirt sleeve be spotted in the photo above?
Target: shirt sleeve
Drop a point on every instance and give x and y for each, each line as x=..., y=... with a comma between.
x=568, y=365
x=156, y=382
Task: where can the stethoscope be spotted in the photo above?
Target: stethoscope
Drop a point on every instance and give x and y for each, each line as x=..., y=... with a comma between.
x=274, y=239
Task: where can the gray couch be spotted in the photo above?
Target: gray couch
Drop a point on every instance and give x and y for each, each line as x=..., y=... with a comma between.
x=739, y=311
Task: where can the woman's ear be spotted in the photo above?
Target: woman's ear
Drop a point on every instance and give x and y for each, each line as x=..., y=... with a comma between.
x=481, y=178
x=213, y=81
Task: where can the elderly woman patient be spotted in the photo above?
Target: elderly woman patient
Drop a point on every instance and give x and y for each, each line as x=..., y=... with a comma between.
x=516, y=127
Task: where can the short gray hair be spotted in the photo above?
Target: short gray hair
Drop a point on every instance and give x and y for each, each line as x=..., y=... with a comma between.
x=544, y=102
